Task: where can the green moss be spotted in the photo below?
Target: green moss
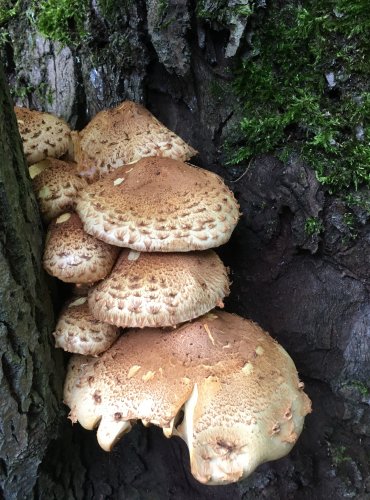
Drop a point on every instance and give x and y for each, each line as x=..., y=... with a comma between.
x=361, y=200
x=219, y=11
x=8, y=10
x=61, y=20
x=162, y=8
x=363, y=389
x=313, y=226
x=42, y=91
x=339, y=454
x=110, y=8
x=304, y=85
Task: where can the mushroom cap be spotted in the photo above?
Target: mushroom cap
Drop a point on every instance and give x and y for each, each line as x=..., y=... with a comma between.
x=159, y=205
x=242, y=401
x=160, y=289
x=123, y=135
x=56, y=185
x=42, y=134
x=74, y=256
x=79, y=332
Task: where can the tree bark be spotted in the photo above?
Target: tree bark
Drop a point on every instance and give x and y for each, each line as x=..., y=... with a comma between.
x=30, y=370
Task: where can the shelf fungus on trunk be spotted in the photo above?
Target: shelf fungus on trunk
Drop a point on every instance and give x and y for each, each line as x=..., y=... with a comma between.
x=220, y=383
x=160, y=289
x=79, y=332
x=74, y=256
x=125, y=134
x=159, y=205
x=43, y=134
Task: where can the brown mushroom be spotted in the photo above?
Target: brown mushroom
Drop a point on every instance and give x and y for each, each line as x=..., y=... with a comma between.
x=56, y=185
x=159, y=204
x=159, y=289
x=43, y=134
x=79, y=332
x=74, y=256
x=123, y=135
x=239, y=392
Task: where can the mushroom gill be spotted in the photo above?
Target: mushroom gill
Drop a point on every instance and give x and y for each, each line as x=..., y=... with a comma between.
x=242, y=400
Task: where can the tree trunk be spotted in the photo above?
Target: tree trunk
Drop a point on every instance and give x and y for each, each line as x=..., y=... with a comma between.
x=310, y=291
x=31, y=370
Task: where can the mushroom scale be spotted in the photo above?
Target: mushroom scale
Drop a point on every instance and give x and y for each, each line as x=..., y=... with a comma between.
x=56, y=185
x=159, y=205
x=160, y=289
x=239, y=390
x=79, y=332
x=74, y=256
x=125, y=134
x=43, y=134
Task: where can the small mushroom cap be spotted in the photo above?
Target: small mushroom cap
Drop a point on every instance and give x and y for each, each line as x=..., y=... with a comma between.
x=159, y=205
x=56, y=185
x=160, y=289
x=123, y=135
x=239, y=391
x=42, y=134
x=79, y=332
x=74, y=256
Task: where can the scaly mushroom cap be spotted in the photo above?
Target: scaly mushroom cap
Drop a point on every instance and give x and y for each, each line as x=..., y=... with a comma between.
x=42, y=134
x=79, y=332
x=159, y=205
x=74, y=256
x=239, y=390
x=160, y=289
x=56, y=185
x=123, y=135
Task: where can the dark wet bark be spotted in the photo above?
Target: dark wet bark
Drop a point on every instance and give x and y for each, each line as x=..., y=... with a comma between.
x=30, y=383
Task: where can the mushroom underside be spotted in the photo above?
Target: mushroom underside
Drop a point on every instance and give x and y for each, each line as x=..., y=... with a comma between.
x=236, y=402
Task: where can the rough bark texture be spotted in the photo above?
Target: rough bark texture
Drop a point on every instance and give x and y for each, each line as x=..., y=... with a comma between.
x=30, y=370
x=310, y=291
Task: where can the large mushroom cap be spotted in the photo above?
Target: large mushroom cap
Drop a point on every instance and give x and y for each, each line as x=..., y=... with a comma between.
x=74, y=256
x=79, y=332
x=160, y=289
x=125, y=134
x=56, y=185
x=239, y=390
x=159, y=204
x=42, y=134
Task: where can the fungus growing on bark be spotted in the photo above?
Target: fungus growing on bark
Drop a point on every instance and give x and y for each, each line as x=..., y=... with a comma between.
x=42, y=134
x=74, y=256
x=56, y=185
x=159, y=204
x=79, y=332
x=125, y=134
x=160, y=289
x=239, y=392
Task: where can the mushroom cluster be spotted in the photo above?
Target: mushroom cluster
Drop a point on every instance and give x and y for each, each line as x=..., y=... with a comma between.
x=134, y=227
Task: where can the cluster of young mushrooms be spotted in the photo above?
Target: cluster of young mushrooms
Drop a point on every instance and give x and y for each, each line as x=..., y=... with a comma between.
x=133, y=226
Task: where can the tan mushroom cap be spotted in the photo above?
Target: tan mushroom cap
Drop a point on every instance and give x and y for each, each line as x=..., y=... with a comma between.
x=123, y=135
x=42, y=134
x=160, y=289
x=74, y=256
x=56, y=185
x=159, y=205
x=79, y=332
x=239, y=390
